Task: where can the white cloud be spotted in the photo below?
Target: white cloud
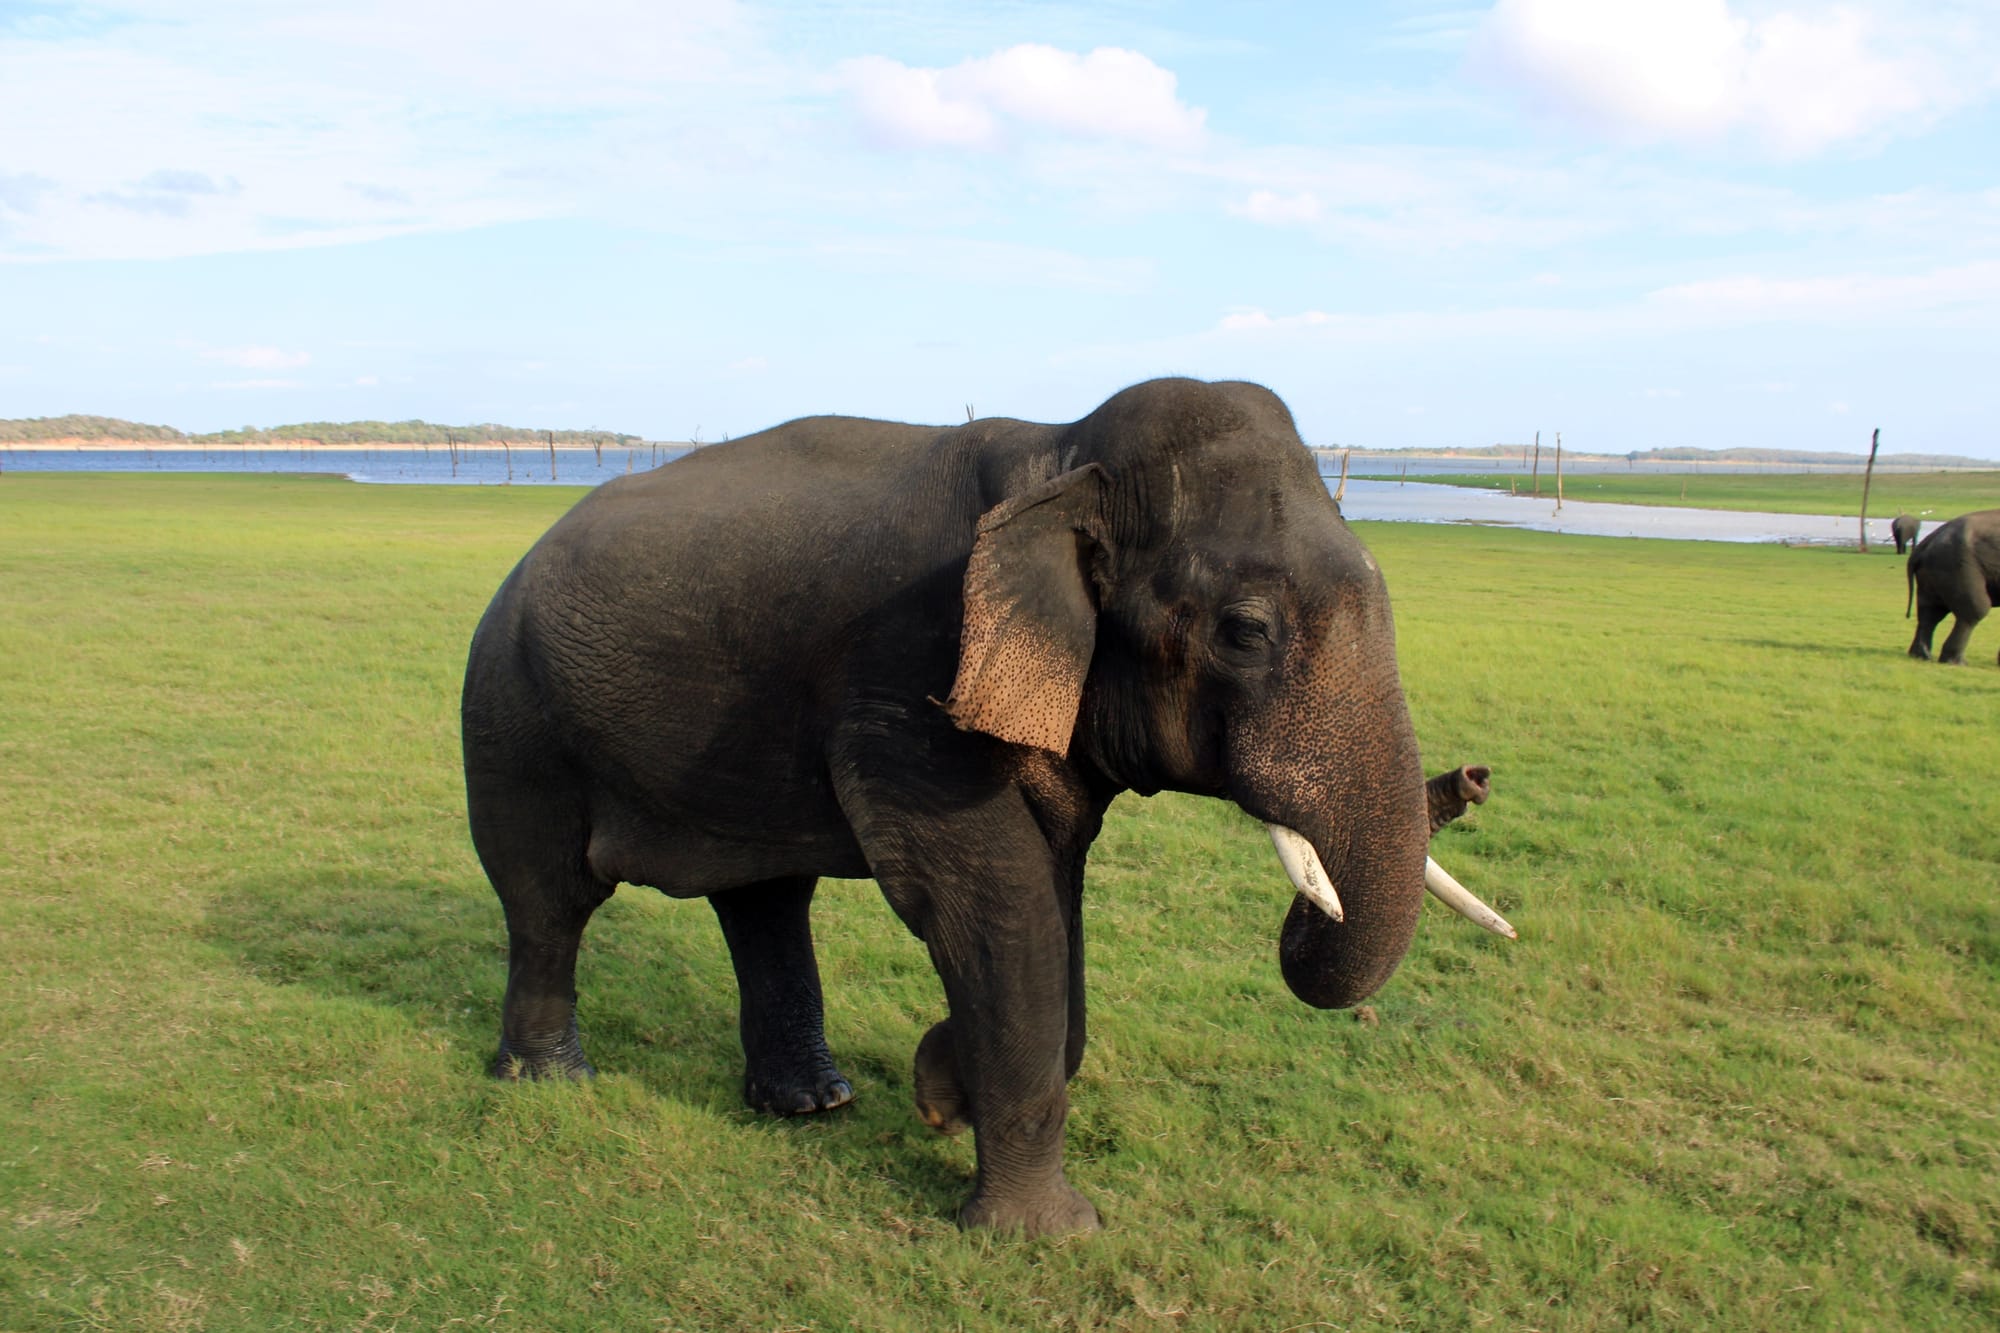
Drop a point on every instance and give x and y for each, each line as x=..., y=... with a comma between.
x=1278, y=209
x=1447, y=30
x=249, y=127
x=250, y=358
x=909, y=108
x=1752, y=297
x=1966, y=295
x=1108, y=93
x=987, y=263
x=1798, y=80
x=1259, y=321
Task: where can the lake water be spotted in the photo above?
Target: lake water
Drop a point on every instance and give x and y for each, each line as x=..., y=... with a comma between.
x=1380, y=501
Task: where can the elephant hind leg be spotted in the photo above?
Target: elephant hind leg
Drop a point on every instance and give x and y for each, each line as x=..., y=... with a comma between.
x=532, y=844
x=1928, y=616
x=1953, y=650
x=787, y=1067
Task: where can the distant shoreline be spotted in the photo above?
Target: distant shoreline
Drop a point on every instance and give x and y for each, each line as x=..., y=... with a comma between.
x=1359, y=460
x=1364, y=463
x=78, y=445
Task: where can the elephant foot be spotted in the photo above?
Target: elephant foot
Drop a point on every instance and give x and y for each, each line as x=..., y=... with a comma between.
x=1060, y=1211
x=531, y=1060
x=941, y=1100
x=799, y=1088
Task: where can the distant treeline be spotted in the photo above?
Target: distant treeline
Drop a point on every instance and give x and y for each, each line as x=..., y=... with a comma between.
x=35, y=429
x=1689, y=454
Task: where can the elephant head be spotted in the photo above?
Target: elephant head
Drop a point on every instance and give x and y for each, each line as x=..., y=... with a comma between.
x=1181, y=606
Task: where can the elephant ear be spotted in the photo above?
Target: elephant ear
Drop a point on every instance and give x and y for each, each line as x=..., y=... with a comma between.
x=1031, y=613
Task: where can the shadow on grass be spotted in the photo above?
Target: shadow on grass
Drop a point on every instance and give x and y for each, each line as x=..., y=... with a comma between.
x=440, y=955
x=657, y=1003
x=1845, y=651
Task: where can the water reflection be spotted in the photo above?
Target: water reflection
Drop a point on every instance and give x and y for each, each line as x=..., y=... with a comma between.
x=1418, y=502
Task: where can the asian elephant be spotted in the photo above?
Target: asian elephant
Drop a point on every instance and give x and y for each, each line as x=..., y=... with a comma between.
x=1955, y=571
x=1904, y=528
x=932, y=656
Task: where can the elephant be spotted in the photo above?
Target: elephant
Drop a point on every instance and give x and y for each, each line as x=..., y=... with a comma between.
x=931, y=656
x=1904, y=528
x=1955, y=571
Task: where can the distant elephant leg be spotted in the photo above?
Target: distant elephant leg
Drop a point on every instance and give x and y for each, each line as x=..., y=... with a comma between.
x=1964, y=620
x=534, y=857
x=787, y=1067
x=1929, y=613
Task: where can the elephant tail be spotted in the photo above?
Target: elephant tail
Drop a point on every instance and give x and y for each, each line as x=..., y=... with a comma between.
x=1910, y=582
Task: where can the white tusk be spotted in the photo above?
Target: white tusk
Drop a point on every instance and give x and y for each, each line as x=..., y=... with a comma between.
x=1302, y=865
x=1460, y=900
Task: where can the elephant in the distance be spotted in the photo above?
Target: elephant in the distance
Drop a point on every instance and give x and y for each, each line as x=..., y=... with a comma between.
x=1904, y=528
x=1955, y=571
x=932, y=656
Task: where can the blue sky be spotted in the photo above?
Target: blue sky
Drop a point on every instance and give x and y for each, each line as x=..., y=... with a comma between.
x=1642, y=223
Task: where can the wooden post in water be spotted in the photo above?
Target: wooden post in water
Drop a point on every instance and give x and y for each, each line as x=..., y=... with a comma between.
x=1537, y=478
x=508, y=446
x=552, y=453
x=1559, y=469
x=1340, y=491
x=1867, y=480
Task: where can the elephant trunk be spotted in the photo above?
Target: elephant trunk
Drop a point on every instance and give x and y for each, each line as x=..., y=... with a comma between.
x=1335, y=958
x=1323, y=963
x=1353, y=844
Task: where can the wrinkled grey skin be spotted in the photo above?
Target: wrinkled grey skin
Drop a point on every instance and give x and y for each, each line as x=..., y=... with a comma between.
x=1955, y=571
x=932, y=656
x=1904, y=528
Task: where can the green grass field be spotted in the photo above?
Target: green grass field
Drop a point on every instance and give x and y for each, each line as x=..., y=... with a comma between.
x=1739, y=1072
x=1933, y=496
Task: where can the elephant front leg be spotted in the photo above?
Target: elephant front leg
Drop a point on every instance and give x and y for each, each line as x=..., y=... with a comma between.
x=967, y=866
x=1006, y=1041
x=942, y=1102
x=787, y=1067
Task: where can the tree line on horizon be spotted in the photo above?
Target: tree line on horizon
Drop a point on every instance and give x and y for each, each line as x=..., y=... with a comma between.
x=34, y=429
x=1684, y=454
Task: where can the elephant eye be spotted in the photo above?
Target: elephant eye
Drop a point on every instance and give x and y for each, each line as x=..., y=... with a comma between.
x=1246, y=631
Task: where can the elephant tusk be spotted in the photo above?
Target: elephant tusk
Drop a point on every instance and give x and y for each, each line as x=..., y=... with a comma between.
x=1302, y=867
x=1460, y=900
